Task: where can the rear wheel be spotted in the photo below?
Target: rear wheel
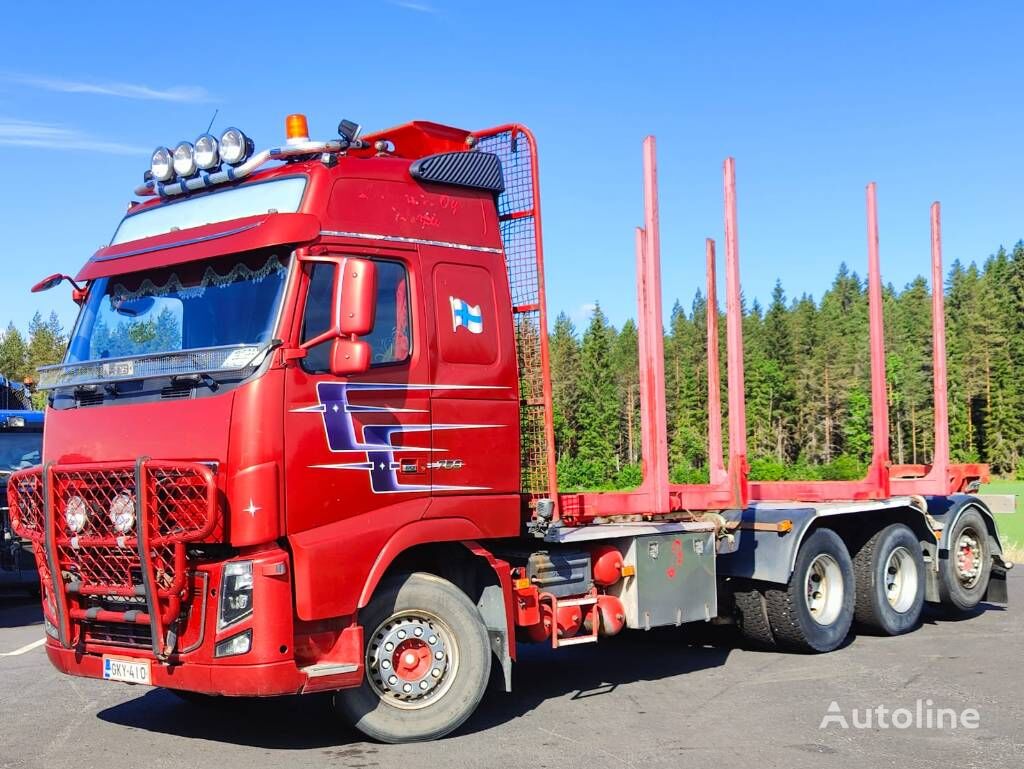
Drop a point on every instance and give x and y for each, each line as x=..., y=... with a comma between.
x=752, y=618
x=963, y=578
x=814, y=611
x=889, y=569
x=427, y=662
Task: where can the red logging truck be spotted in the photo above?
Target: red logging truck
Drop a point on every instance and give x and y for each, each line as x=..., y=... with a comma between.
x=302, y=441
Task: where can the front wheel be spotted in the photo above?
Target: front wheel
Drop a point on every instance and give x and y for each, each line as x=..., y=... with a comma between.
x=427, y=662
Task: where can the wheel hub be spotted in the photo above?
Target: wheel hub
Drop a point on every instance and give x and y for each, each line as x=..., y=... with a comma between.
x=968, y=558
x=410, y=659
x=901, y=579
x=824, y=589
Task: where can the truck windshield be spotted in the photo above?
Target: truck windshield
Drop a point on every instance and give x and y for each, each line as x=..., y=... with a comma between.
x=223, y=301
x=18, y=450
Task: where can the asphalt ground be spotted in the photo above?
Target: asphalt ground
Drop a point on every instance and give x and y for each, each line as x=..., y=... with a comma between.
x=660, y=699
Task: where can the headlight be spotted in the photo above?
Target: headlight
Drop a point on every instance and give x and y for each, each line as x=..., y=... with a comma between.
x=184, y=160
x=206, y=153
x=162, y=165
x=237, y=644
x=76, y=513
x=122, y=512
x=234, y=146
x=235, y=593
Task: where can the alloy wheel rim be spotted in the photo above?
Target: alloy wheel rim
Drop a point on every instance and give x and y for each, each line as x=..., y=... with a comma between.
x=412, y=659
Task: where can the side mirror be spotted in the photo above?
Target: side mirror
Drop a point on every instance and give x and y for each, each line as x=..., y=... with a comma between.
x=354, y=296
x=353, y=305
x=49, y=282
x=77, y=292
x=349, y=356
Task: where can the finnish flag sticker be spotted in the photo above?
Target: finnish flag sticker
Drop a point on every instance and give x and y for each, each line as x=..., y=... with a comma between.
x=466, y=315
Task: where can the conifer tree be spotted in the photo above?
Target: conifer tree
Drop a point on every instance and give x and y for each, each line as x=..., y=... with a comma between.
x=598, y=406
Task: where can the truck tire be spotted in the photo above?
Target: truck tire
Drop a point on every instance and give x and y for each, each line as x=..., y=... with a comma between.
x=814, y=611
x=428, y=661
x=752, y=618
x=890, y=578
x=964, y=574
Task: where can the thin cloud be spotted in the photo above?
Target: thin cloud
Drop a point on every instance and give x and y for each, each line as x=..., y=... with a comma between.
x=178, y=93
x=51, y=136
x=412, y=6
x=583, y=313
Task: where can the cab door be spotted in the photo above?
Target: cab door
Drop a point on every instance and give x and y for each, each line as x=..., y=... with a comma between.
x=475, y=405
x=358, y=448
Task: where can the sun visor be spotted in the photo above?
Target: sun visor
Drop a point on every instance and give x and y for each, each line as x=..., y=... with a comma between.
x=245, y=234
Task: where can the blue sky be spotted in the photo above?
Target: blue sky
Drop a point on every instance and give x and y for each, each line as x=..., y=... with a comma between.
x=813, y=100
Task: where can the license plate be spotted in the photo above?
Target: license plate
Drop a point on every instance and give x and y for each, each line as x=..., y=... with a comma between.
x=127, y=670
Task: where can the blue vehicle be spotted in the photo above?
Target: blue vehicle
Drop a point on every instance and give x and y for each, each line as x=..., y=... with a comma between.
x=21, y=445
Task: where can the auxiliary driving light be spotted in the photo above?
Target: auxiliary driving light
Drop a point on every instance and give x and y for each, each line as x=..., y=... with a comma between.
x=76, y=513
x=235, y=146
x=184, y=159
x=206, y=153
x=162, y=165
x=122, y=512
x=237, y=644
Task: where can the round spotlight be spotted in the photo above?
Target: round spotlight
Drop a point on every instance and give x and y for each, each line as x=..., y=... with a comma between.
x=122, y=512
x=76, y=513
x=206, y=153
x=184, y=160
x=235, y=146
x=161, y=165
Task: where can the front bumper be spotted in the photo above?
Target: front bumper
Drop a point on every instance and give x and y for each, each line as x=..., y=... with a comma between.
x=281, y=659
x=257, y=680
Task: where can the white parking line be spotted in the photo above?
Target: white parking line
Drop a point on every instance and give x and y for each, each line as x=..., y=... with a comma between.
x=25, y=648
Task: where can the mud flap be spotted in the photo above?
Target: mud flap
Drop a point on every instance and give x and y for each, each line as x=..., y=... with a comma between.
x=997, y=591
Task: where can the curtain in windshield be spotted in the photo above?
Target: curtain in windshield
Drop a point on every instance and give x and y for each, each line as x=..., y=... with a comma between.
x=230, y=300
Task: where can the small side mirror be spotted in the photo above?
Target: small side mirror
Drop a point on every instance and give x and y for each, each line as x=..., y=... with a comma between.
x=349, y=356
x=78, y=293
x=355, y=295
x=49, y=282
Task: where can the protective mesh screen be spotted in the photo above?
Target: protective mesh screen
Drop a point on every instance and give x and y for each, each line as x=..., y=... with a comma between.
x=517, y=207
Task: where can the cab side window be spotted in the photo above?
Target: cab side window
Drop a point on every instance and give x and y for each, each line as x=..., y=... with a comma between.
x=390, y=339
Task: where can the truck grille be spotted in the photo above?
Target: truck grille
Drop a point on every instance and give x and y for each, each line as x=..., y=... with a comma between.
x=172, y=504
x=118, y=634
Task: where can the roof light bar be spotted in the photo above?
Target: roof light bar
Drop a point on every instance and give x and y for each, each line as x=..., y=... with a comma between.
x=196, y=166
x=203, y=181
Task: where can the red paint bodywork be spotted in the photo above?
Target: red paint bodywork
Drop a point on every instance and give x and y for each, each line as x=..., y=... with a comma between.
x=338, y=537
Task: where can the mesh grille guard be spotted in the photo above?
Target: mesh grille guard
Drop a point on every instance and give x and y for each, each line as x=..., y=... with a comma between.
x=174, y=503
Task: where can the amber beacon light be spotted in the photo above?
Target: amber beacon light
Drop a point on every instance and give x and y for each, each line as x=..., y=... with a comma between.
x=296, y=129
